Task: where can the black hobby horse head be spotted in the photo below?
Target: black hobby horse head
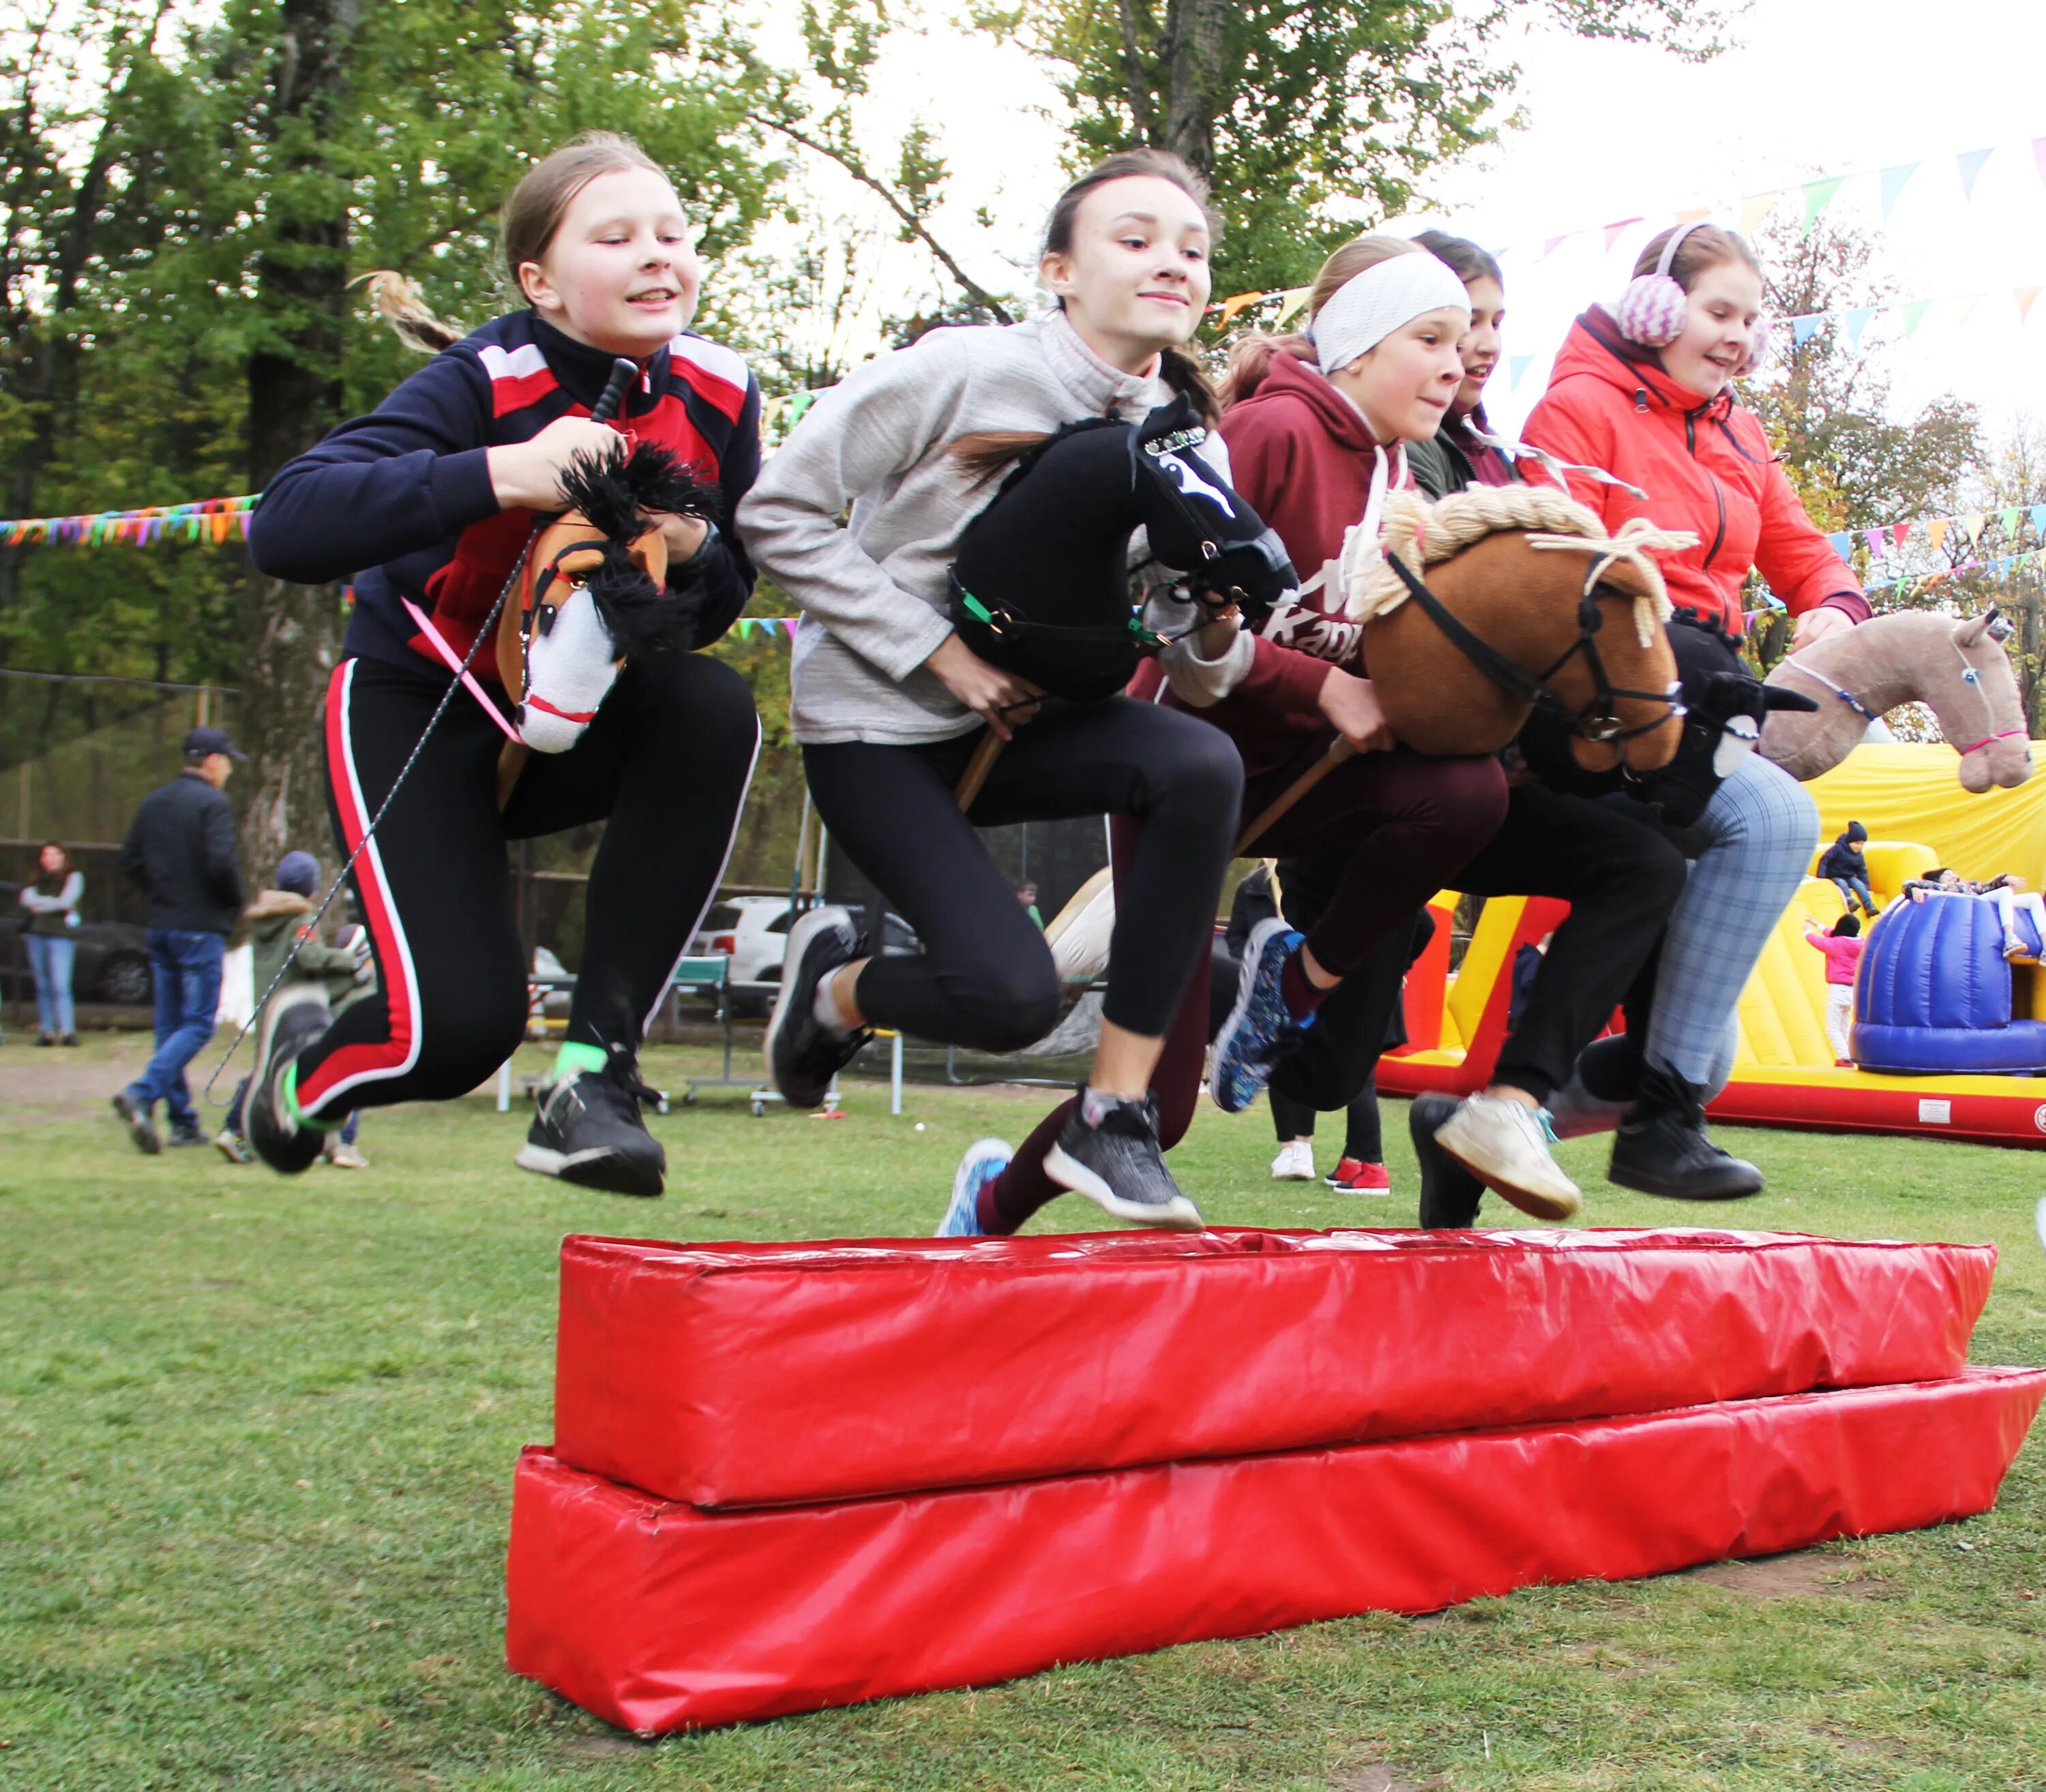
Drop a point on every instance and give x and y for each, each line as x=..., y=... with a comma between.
x=1040, y=583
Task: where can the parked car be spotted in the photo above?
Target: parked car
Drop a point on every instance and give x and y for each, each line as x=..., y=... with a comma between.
x=753, y=932
x=112, y=965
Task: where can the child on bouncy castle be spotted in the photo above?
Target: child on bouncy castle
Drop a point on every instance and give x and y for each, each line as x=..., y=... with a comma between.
x=437, y=492
x=1644, y=389
x=1846, y=867
x=1843, y=947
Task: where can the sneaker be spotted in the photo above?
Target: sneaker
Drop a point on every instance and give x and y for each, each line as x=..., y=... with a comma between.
x=183, y=1136
x=296, y=1017
x=68, y=1039
x=1259, y=1031
x=1661, y=1147
x=1449, y=1194
x=344, y=1157
x=1354, y=1177
x=141, y=1127
x=1295, y=1162
x=46, y=1039
x=588, y=1131
x=803, y=1054
x=1108, y=1151
x=1505, y=1145
x=232, y=1147
x=985, y=1159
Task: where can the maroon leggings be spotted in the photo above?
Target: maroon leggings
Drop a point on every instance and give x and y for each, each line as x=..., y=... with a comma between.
x=1410, y=824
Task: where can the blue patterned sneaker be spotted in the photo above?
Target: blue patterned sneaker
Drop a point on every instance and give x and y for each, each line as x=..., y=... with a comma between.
x=1259, y=1031
x=985, y=1159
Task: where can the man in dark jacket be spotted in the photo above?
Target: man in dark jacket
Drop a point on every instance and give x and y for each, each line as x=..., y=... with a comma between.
x=180, y=853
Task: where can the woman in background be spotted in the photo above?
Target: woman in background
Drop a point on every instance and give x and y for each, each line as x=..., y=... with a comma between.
x=51, y=901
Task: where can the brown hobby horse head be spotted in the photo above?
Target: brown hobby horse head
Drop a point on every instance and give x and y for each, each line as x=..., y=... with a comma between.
x=1501, y=597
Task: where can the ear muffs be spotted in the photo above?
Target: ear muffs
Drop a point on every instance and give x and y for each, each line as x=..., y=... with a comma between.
x=1651, y=310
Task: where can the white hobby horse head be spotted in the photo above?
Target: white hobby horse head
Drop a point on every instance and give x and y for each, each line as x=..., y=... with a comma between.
x=594, y=589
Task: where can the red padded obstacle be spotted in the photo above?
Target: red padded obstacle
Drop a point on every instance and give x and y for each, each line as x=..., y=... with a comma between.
x=657, y=1617
x=743, y=1374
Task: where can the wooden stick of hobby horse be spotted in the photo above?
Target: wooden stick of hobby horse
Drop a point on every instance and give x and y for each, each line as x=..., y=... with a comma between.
x=977, y=769
x=1339, y=751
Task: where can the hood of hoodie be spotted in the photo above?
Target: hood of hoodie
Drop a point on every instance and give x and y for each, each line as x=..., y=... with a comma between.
x=1595, y=346
x=276, y=907
x=1292, y=380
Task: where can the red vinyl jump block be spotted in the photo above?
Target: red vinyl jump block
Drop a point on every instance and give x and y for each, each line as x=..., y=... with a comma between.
x=733, y=1375
x=657, y=1616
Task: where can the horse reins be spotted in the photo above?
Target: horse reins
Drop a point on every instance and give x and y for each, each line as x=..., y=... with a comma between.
x=623, y=373
x=1599, y=720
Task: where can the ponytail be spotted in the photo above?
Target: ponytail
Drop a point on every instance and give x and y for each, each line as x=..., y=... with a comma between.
x=402, y=306
x=1251, y=359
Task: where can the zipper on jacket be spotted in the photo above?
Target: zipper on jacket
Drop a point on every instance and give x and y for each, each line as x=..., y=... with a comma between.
x=1641, y=398
x=1718, y=497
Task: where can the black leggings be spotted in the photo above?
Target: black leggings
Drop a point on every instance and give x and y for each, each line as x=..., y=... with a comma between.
x=667, y=761
x=1362, y=1138
x=986, y=979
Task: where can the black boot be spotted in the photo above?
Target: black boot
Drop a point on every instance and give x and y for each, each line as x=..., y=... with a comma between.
x=1661, y=1149
x=1450, y=1194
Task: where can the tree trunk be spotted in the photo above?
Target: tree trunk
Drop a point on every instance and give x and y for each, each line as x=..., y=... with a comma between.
x=1194, y=31
x=293, y=632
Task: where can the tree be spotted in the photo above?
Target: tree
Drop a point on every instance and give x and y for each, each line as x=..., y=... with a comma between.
x=1308, y=116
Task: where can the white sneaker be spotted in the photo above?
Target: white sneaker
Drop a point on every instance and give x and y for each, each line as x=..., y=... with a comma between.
x=1295, y=1162
x=1505, y=1145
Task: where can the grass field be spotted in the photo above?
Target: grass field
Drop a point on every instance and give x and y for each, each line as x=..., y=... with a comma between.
x=256, y=1439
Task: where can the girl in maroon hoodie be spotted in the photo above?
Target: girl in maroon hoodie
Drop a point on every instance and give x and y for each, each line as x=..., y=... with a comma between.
x=1644, y=389
x=1303, y=448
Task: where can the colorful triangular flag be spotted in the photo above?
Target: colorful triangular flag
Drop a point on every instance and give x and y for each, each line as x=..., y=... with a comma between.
x=1894, y=182
x=1914, y=314
x=1804, y=328
x=2039, y=518
x=1900, y=533
x=1755, y=208
x=1857, y=321
x=2025, y=295
x=1612, y=230
x=1842, y=545
x=1289, y=307
x=1816, y=194
x=1554, y=243
x=2039, y=155
x=1873, y=538
x=788, y=622
x=1969, y=163
x=1230, y=306
x=1935, y=532
x=2011, y=518
x=1516, y=370
x=1972, y=525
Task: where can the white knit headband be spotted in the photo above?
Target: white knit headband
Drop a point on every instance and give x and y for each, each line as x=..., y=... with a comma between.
x=1370, y=306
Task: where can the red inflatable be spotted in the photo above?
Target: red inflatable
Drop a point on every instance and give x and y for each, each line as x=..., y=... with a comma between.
x=745, y=1374
x=660, y=1617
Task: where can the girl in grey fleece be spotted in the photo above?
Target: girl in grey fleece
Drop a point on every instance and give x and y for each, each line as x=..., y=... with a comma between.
x=888, y=702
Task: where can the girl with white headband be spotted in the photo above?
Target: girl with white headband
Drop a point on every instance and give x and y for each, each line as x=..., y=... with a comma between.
x=1398, y=824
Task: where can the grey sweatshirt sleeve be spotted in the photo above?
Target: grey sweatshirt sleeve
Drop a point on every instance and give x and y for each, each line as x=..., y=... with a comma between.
x=67, y=897
x=864, y=435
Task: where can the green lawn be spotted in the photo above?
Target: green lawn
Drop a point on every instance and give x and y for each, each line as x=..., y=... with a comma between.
x=257, y=1441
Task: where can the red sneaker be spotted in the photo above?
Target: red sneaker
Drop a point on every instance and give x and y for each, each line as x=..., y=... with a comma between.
x=1353, y=1177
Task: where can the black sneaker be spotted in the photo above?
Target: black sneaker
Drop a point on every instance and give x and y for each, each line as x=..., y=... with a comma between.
x=803, y=1055
x=588, y=1131
x=295, y=1019
x=1108, y=1151
x=1661, y=1147
x=186, y=1135
x=141, y=1127
x=1450, y=1194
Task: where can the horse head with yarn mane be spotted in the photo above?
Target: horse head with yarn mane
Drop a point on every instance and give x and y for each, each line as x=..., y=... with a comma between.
x=1493, y=601
x=1041, y=582
x=594, y=589
x=1958, y=669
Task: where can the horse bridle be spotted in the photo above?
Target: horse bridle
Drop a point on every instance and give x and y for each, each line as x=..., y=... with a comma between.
x=1599, y=720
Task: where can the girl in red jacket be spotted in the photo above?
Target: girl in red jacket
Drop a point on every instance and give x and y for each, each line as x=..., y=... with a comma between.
x=1644, y=389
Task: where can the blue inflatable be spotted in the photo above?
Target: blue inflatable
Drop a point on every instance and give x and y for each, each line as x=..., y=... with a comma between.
x=1933, y=995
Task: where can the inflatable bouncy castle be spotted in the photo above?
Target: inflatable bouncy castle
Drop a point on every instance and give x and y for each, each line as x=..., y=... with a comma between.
x=1948, y=1039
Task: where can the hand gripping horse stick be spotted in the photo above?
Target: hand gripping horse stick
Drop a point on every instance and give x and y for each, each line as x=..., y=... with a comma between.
x=623, y=373
x=1339, y=751
x=977, y=769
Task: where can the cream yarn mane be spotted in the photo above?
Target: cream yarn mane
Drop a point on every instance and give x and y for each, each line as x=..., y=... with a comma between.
x=1421, y=534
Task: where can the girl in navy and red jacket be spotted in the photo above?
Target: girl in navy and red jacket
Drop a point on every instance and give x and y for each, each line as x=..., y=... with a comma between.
x=427, y=504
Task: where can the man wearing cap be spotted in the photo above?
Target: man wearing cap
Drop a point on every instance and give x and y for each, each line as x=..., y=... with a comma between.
x=180, y=853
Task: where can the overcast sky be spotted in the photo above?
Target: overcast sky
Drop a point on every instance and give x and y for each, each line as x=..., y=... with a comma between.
x=1812, y=87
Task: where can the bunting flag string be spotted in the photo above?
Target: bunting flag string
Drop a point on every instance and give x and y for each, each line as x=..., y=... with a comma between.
x=207, y=519
x=1888, y=538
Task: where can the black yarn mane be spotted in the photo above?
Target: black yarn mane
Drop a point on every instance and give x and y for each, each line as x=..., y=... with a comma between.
x=614, y=492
